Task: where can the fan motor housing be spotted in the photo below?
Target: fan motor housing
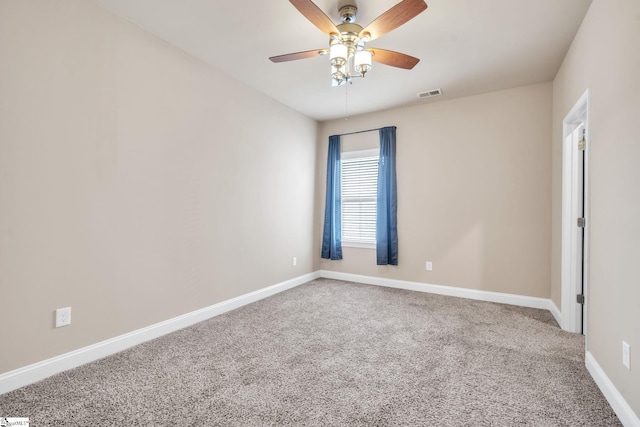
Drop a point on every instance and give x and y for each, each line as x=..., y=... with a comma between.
x=349, y=37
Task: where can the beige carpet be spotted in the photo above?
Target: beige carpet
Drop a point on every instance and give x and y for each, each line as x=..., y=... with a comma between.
x=336, y=353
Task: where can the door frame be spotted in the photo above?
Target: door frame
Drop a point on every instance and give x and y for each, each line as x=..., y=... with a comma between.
x=572, y=319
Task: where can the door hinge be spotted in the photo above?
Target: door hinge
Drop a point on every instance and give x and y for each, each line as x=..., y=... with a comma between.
x=581, y=222
x=582, y=144
x=580, y=299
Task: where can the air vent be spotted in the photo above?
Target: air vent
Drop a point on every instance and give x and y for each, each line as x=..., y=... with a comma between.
x=430, y=93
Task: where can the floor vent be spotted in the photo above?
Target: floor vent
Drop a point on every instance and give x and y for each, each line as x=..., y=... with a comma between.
x=430, y=93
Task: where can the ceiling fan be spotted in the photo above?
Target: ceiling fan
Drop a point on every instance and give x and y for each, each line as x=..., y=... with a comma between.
x=347, y=41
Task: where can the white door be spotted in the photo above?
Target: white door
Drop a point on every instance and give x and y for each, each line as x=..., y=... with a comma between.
x=579, y=137
x=574, y=148
x=575, y=206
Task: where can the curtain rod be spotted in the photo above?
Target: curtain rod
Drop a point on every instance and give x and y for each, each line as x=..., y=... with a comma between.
x=360, y=131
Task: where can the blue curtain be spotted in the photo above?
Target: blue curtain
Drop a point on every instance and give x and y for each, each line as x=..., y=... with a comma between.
x=332, y=234
x=387, y=201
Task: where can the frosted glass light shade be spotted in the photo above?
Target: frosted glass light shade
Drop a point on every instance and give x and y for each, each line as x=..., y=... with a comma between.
x=338, y=54
x=363, y=62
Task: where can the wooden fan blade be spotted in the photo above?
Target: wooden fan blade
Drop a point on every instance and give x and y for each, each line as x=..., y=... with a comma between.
x=394, y=59
x=298, y=55
x=393, y=18
x=317, y=17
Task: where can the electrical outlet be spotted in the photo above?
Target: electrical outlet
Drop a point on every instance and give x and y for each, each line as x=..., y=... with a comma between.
x=626, y=349
x=429, y=266
x=63, y=317
x=295, y=261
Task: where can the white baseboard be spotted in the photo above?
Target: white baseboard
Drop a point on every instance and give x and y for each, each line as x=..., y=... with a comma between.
x=520, y=300
x=38, y=371
x=627, y=416
x=555, y=311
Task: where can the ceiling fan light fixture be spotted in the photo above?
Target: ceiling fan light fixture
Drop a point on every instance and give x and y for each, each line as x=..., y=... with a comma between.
x=363, y=62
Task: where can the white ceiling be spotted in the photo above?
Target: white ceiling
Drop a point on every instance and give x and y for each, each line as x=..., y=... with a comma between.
x=466, y=47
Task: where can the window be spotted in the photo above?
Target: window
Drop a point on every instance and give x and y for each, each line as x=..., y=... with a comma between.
x=359, y=186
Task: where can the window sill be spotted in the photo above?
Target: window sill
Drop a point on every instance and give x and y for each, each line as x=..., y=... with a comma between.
x=359, y=245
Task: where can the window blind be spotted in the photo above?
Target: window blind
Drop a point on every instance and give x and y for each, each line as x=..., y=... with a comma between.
x=359, y=191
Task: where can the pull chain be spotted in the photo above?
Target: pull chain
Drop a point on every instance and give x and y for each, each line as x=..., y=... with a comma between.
x=346, y=100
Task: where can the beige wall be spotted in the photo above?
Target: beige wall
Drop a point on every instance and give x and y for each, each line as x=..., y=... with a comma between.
x=136, y=183
x=605, y=57
x=474, y=192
